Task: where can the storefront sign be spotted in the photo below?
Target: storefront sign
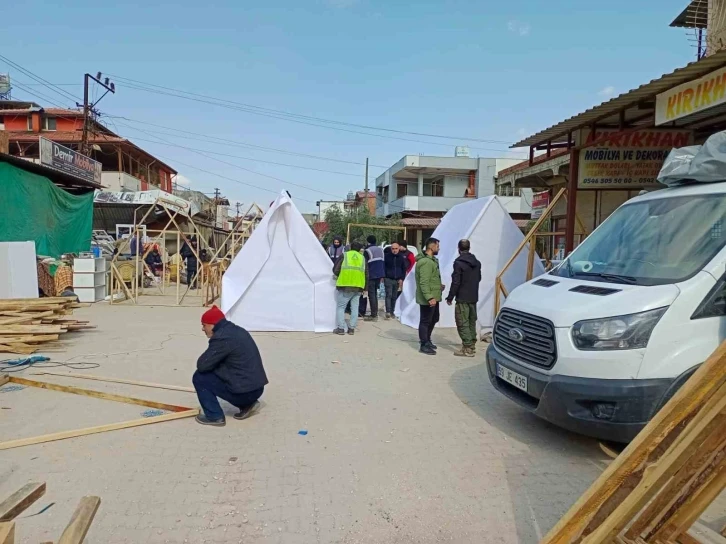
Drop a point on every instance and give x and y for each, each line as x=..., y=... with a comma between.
x=540, y=201
x=71, y=162
x=174, y=203
x=629, y=160
x=692, y=97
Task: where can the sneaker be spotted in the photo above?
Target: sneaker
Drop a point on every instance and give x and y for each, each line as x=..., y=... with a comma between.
x=469, y=353
x=203, y=420
x=351, y=331
x=388, y=316
x=339, y=331
x=461, y=352
x=249, y=411
x=432, y=345
x=371, y=318
x=425, y=349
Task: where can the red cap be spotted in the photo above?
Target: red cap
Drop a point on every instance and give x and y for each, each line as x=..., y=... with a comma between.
x=212, y=316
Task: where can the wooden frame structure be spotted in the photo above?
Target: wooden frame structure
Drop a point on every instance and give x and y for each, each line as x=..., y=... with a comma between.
x=384, y=227
x=74, y=533
x=176, y=412
x=531, y=239
x=659, y=486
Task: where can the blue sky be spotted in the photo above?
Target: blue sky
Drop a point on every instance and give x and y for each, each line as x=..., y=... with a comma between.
x=487, y=70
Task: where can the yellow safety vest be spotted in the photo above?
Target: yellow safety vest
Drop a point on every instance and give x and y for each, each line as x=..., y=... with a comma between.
x=352, y=270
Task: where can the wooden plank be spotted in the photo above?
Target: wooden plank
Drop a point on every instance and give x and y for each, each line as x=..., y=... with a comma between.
x=647, y=447
x=30, y=329
x=98, y=429
x=81, y=520
x=7, y=532
x=702, y=534
x=118, y=380
x=29, y=338
x=98, y=394
x=19, y=501
x=16, y=320
x=685, y=538
x=43, y=300
x=4, y=379
x=20, y=349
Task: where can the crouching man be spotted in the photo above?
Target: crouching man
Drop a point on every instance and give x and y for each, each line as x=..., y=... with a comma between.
x=230, y=369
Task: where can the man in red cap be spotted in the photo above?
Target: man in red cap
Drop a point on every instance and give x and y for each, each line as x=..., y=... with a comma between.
x=230, y=369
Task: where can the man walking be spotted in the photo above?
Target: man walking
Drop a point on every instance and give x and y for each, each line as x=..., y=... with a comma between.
x=376, y=272
x=351, y=271
x=396, y=265
x=428, y=294
x=465, y=289
x=230, y=369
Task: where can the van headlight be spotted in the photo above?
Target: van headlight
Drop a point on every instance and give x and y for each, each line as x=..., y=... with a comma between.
x=622, y=332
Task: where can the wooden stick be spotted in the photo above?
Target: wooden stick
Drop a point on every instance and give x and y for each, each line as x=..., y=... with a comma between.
x=4, y=379
x=20, y=501
x=98, y=429
x=99, y=395
x=119, y=380
x=30, y=329
x=81, y=520
x=29, y=339
x=7, y=532
x=20, y=349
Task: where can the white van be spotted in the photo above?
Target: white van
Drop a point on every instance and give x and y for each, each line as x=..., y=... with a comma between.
x=598, y=345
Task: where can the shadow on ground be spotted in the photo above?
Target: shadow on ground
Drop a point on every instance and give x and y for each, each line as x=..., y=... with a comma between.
x=554, y=467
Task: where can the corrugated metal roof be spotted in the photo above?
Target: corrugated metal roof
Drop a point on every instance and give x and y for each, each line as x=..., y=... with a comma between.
x=521, y=223
x=694, y=16
x=630, y=99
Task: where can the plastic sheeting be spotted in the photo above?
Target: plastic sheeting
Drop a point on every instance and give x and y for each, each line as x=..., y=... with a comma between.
x=33, y=208
x=494, y=238
x=701, y=163
x=282, y=279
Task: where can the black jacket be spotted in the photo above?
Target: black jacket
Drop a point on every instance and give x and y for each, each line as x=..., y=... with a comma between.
x=465, y=279
x=187, y=254
x=396, y=265
x=233, y=356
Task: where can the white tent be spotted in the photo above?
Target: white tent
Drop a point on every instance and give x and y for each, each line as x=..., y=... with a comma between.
x=494, y=238
x=282, y=278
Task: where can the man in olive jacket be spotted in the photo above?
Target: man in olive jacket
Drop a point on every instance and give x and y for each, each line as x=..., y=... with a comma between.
x=428, y=294
x=230, y=369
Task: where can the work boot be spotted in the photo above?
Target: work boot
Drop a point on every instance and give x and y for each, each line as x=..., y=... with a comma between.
x=249, y=411
x=339, y=331
x=425, y=349
x=470, y=352
x=201, y=418
x=371, y=318
x=432, y=346
x=351, y=331
x=461, y=352
x=388, y=316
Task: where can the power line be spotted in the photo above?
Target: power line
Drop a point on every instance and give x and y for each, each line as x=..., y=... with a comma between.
x=309, y=117
x=65, y=94
x=36, y=94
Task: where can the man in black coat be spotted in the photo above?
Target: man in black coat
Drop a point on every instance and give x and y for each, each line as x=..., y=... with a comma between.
x=230, y=369
x=465, y=289
x=396, y=265
x=187, y=252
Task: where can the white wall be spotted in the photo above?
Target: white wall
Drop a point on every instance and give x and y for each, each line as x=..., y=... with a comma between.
x=119, y=181
x=455, y=186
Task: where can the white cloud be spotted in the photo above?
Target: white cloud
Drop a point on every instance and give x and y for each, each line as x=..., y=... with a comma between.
x=607, y=92
x=519, y=27
x=182, y=180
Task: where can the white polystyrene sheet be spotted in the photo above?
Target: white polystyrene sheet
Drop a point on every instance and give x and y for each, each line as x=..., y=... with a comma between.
x=494, y=238
x=282, y=278
x=18, y=270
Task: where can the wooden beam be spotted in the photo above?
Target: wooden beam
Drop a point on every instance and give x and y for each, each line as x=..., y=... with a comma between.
x=98, y=394
x=77, y=528
x=119, y=380
x=19, y=501
x=702, y=534
x=4, y=379
x=98, y=429
x=7, y=532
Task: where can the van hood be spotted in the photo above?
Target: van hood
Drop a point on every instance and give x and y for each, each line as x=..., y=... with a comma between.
x=564, y=308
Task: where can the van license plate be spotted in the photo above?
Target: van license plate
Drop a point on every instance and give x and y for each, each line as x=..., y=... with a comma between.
x=511, y=377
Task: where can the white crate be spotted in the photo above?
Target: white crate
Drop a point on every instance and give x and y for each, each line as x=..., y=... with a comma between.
x=89, y=265
x=90, y=294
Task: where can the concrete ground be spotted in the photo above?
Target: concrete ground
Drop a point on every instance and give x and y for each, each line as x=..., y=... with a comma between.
x=400, y=447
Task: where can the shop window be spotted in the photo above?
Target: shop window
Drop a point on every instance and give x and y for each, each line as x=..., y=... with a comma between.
x=49, y=123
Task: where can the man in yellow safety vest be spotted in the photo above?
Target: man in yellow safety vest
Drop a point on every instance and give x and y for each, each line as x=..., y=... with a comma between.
x=352, y=273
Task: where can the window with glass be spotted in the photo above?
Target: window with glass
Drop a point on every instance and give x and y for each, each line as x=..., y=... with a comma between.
x=49, y=123
x=434, y=187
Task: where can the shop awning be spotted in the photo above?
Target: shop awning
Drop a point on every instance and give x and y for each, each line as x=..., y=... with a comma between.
x=634, y=108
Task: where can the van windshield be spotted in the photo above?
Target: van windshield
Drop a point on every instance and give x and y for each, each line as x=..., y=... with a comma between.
x=653, y=242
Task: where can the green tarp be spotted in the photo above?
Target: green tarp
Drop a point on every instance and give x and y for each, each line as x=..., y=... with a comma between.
x=33, y=208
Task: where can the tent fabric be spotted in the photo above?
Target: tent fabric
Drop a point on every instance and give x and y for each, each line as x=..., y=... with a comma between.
x=494, y=238
x=282, y=278
x=35, y=209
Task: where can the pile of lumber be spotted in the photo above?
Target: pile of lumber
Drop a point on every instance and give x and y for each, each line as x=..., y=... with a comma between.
x=26, y=324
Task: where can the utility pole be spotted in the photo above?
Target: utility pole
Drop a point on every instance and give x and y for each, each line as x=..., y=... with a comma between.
x=238, y=205
x=89, y=108
x=216, y=195
x=366, y=187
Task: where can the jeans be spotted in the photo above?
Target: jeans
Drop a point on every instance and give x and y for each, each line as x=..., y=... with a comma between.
x=342, y=298
x=391, y=294
x=427, y=322
x=465, y=316
x=373, y=295
x=209, y=387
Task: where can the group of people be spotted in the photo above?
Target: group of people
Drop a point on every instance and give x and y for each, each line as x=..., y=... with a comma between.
x=359, y=272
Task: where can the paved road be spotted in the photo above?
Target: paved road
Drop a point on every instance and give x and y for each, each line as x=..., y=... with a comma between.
x=400, y=447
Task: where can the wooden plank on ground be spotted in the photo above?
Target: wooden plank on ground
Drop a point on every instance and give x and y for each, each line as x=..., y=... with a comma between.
x=29, y=338
x=98, y=429
x=7, y=532
x=30, y=329
x=19, y=501
x=43, y=300
x=119, y=380
x=4, y=379
x=21, y=349
x=98, y=394
x=81, y=520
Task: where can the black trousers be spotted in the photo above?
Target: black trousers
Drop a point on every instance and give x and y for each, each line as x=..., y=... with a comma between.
x=373, y=295
x=209, y=387
x=427, y=322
